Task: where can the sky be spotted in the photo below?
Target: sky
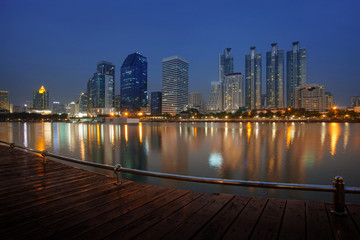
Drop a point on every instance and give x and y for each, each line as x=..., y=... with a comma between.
x=59, y=43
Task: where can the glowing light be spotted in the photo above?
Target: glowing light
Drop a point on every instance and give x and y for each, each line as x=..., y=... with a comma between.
x=248, y=127
x=42, y=90
x=126, y=113
x=334, y=135
x=215, y=160
x=140, y=114
x=140, y=132
x=112, y=114
x=126, y=133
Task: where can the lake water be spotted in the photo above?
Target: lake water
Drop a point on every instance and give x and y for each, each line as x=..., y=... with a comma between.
x=274, y=152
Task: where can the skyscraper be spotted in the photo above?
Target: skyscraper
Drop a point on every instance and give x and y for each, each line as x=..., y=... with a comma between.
x=41, y=99
x=4, y=101
x=101, y=89
x=215, y=103
x=233, y=90
x=175, y=84
x=156, y=102
x=133, y=83
x=253, y=79
x=295, y=71
x=275, y=77
x=226, y=64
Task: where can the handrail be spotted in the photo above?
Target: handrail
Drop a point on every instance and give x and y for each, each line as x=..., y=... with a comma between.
x=291, y=186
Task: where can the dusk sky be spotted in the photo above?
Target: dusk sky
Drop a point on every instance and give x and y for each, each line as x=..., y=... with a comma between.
x=58, y=43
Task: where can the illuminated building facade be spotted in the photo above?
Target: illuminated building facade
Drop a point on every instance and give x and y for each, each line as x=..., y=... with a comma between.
x=295, y=72
x=233, y=91
x=275, y=77
x=329, y=101
x=133, y=83
x=311, y=97
x=175, y=84
x=41, y=99
x=253, y=75
x=4, y=101
x=214, y=103
x=101, y=89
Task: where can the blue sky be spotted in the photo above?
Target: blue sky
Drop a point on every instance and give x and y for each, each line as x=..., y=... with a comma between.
x=58, y=43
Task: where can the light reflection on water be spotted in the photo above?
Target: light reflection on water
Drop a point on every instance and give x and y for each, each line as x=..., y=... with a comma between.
x=275, y=152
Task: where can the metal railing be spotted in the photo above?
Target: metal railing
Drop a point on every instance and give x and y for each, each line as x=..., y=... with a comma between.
x=338, y=188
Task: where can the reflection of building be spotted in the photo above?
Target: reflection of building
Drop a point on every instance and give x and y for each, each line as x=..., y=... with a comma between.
x=214, y=103
x=41, y=99
x=133, y=83
x=101, y=89
x=355, y=101
x=253, y=79
x=175, y=84
x=295, y=71
x=233, y=91
x=156, y=103
x=275, y=77
x=4, y=101
x=311, y=97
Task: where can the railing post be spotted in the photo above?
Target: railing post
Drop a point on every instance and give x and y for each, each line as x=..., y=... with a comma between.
x=117, y=172
x=43, y=154
x=339, y=197
x=12, y=146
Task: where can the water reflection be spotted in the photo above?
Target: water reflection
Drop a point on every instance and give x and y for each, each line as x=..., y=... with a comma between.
x=279, y=152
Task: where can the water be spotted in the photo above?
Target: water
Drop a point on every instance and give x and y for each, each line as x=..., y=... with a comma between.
x=275, y=152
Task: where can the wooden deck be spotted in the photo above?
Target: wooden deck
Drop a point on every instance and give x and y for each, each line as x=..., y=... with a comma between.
x=56, y=201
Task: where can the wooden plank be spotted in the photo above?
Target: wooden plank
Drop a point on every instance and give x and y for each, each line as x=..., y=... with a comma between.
x=343, y=227
x=217, y=227
x=293, y=226
x=112, y=228
x=180, y=208
x=58, y=214
x=193, y=224
x=246, y=221
x=354, y=212
x=317, y=222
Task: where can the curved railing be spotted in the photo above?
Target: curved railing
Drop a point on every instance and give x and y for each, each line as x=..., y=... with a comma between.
x=338, y=187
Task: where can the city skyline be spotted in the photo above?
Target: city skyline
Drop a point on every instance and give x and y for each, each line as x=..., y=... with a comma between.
x=57, y=40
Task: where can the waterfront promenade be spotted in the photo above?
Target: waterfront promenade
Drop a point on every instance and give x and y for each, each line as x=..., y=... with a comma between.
x=57, y=201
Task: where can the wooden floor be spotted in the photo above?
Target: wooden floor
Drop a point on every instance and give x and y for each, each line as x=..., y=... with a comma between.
x=56, y=201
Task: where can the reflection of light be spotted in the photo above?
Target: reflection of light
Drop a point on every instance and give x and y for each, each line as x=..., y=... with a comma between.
x=98, y=133
x=273, y=130
x=248, y=128
x=323, y=133
x=215, y=160
x=334, y=135
x=346, y=135
x=112, y=133
x=140, y=132
x=226, y=129
x=289, y=135
x=256, y=129
x=25, y=135
x=195, y=131
x=126, y=133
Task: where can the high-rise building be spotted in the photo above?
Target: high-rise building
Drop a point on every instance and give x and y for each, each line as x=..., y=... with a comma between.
x=156, y=102
x=233, y=91
x=41, y=99
x=4, y=101
x=133, y=83
x=175, y=84
x=295, y=71
x=196, y=101
x=58, y=108
x=82, y=101
x=253, y=76
x=226, y=64
x=101, y=89
x=329, y=101
x=355, y=101
x=275, y=77
x=311, y=97
x=215, y=104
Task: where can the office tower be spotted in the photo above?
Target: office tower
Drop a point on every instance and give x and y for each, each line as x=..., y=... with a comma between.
x=4, y=101
x=295, y=71
x=233, y=91
x=355, y=101
x=41, y=99
x=156, y=102
x=196, y=101
x=175, y=84
x=82, y=102
x=329, y=100
x=58, y=108
x=226, y=64
x=101, y=89
x=117, y=102
x=215, y=103
x=253, y=79
x=311, y=97
x=133, y=83
x=275, y=77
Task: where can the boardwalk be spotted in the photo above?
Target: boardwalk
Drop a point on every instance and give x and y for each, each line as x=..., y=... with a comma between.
x=56, y=201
